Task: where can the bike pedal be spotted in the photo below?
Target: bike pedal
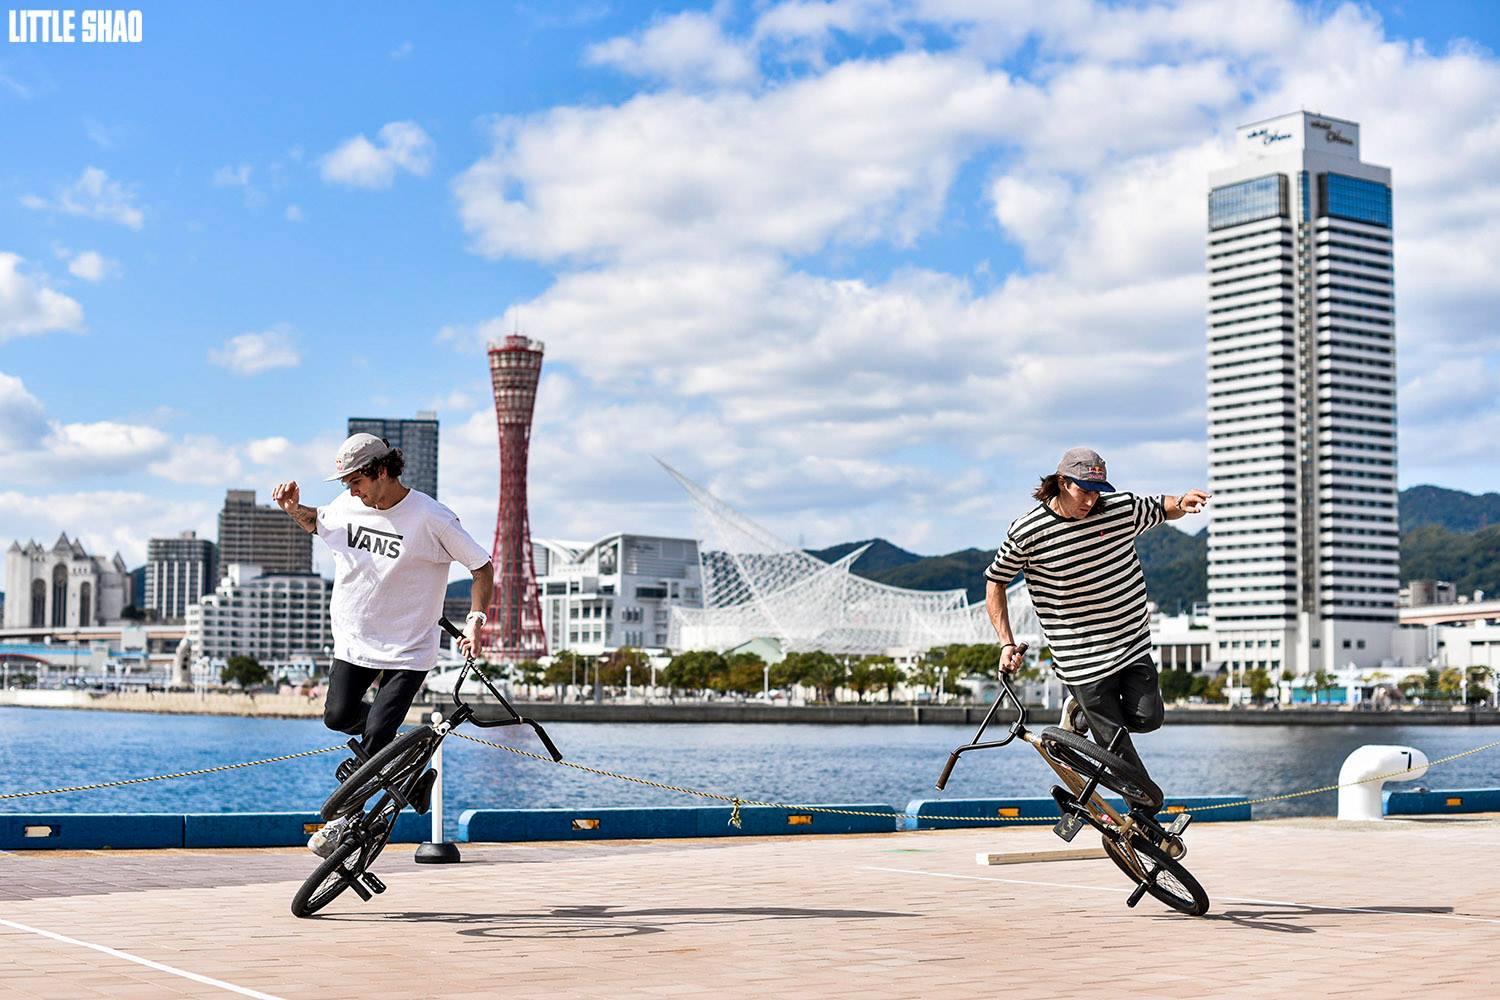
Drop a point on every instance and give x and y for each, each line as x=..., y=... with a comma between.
x=374, y=883
x=346, y=767
x=1175, y=828
x=421, y=793
x=1067, y=828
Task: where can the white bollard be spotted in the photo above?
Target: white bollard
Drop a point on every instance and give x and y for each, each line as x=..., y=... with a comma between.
x=1364, y=801
x=437, y=851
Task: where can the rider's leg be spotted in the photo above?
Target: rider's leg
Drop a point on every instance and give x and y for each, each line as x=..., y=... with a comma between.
x=1129, y=699
x=398, y=689
x=345, y=710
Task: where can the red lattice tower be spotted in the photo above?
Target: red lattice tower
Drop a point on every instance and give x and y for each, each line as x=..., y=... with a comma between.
x=514, y=629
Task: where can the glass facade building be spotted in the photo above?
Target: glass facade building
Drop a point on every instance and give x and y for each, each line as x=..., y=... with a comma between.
x=1303, y=535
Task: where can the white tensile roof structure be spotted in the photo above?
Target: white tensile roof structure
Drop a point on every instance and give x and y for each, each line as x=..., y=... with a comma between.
x=755, y=585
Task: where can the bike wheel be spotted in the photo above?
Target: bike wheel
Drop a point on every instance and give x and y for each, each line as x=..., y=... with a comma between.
x=1091, y=760
x=328, y=880
x=1164, y=878
x=390, y=766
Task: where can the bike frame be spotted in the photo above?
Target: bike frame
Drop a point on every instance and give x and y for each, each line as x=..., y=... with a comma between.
x=1085, y=804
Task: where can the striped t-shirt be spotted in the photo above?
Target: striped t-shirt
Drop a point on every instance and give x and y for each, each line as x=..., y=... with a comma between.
x=1086, y=582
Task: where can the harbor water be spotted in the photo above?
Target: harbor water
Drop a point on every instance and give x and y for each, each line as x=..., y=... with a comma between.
x=48, y=748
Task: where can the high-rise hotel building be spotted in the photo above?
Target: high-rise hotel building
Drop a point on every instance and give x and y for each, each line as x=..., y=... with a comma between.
x=1303, y=544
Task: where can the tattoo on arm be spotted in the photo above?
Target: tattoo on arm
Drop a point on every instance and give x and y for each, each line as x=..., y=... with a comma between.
x=305, y=516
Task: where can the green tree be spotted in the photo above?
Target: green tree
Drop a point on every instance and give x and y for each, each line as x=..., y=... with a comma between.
x=743, y=673
x=1213, y=689
x=818, y=670
x=889, y=676
x=693, y=670
x=530, y=673
x=564, y=669
x=861, y=675
x=1259, y=682
x=1450, y=683
x=1176, y=684
x=1478, y=693
x=244, y=671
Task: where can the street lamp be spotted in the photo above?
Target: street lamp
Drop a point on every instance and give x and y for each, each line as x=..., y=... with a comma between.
x=627, y=682
x=766, y=682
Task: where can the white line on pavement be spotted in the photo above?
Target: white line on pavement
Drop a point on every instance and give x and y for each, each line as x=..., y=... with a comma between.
x=116, y=953
x=1222, y=899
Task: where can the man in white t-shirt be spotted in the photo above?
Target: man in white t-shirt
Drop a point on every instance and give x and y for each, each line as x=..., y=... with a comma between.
x=392, y=547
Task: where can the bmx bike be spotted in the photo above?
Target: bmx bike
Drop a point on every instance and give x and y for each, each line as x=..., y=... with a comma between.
x=394, y=777
x=1146, y=851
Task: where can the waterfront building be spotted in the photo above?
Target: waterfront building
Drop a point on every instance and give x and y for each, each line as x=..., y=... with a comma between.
x=1420, y=593
x=261, y=535
x=418, y=441
x=618, y=591
x=279, y=618
x=63, y=586
x=1303, y=545
x=756, y=585
x=179, y=571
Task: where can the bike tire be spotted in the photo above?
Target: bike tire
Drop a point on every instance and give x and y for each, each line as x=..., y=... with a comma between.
x=326, y=884
x=1169, y=881
x=388, y=767
x=1114, y=772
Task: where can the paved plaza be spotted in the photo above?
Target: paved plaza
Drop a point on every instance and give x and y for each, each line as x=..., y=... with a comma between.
x=1300, y=908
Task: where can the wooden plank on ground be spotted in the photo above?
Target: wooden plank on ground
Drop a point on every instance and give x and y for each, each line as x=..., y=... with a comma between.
x=1031, y=857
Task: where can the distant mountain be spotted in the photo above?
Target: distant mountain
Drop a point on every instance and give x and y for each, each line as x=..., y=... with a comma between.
x=882, y=556
x=1451, y=509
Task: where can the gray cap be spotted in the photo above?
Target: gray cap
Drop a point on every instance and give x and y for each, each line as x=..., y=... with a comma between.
x=1086, y=468
x=356, y=453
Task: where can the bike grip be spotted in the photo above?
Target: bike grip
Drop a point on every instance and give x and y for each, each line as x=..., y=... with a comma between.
x=450, y=628
x=547, y=741
x=947, y=770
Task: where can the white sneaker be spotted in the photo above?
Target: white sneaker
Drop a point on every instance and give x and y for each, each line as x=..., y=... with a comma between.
x=326, y=837
x=1073, y=719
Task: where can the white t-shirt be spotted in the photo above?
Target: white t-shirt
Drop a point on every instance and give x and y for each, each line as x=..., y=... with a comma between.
x=390, y=576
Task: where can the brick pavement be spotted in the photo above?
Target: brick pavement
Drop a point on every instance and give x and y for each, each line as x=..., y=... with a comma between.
x=1301, y=907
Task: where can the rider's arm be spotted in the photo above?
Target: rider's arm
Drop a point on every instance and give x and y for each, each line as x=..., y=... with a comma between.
x=1191, y=502
x=484, y=587
x=995, y=604
x=287, y=497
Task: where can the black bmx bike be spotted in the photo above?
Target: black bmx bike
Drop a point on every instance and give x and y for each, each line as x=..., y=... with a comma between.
x=374, y=788
x=1146, y=851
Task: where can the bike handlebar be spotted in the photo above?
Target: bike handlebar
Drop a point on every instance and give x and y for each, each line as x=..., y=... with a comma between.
x=515, y=717
x=1016, y=728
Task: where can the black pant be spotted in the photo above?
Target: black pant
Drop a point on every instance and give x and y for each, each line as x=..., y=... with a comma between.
x=1128, y=699
x=345, y=709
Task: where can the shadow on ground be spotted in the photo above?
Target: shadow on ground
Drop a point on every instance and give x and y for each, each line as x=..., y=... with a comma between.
x=609, y=921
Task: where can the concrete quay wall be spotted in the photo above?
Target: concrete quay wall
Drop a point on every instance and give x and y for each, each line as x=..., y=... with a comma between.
x=297, y=706
x=873, y=714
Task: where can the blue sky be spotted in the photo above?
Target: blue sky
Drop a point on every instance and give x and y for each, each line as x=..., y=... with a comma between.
x=863, y=267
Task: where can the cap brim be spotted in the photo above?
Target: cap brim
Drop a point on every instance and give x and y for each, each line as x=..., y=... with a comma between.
x=1097, y=485
x=339, y=475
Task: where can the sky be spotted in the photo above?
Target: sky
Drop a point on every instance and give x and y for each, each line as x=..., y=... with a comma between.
x=862, y=268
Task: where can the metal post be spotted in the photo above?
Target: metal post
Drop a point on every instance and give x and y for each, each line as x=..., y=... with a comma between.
x=766, y=683
x=437, y=851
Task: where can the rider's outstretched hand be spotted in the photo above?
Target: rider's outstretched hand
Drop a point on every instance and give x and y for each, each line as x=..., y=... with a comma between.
x=286, y=495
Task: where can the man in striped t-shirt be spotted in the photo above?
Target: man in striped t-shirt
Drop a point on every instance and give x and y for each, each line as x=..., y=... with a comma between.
x=1077, y=549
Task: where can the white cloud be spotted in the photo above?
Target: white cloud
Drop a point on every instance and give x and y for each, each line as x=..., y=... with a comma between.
x=294, y=213
x=685, y=49
x=93, y=196
x=403, y=50
x=253, y=353
x=863, y=153
x=362, y=163
x=104, y=521
x=681, y=222
x=28, y=306
x=233, y=176
x=23, y=421
x=201, y=460
x=90, y=265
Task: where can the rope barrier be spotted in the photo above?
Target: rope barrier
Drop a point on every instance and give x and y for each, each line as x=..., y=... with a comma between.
x=166, y=777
